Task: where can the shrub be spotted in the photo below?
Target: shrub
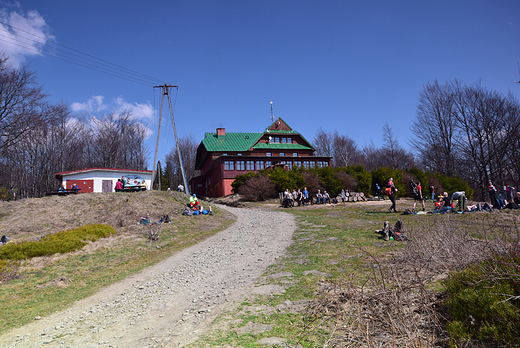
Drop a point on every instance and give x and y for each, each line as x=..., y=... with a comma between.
x=347, y=181
x=363, y=178
x=328, y=180
x=241, y=180
x=312, y=182
x=61, y=242
x=258, y=188
x=484, y=301
x=8, y=270
x=453, y=184
x=381, y=176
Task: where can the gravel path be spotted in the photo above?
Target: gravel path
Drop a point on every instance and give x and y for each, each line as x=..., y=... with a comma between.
x=172, y=303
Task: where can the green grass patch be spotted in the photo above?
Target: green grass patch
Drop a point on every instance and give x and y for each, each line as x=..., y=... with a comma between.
x=61, y=242
x=44, y=290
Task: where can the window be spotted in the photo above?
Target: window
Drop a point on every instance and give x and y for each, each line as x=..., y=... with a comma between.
x=289, y=165
x=297, y=163
x=225, y=154
x=313, y=164
x=276, y=140
x=282, y=154
x=268, y=154
x=250, y=165
x=322, y=164
x=295, y=154
x=289, y=140
x=306, y=164
x=259, y=165
x=229, y=165
x=239, y=154
x=284, y=140
x=241, y=165
x=268, y=163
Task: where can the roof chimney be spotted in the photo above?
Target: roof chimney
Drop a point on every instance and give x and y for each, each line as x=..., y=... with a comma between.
x=221, y=131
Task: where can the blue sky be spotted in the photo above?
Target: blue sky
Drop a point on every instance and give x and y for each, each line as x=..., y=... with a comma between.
x=350, y=66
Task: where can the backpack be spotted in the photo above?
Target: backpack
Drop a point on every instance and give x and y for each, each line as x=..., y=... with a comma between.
x=413, y=186
x=407, y=212
x=388, y=191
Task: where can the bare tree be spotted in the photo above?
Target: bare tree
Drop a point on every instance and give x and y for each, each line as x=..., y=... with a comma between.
x=345, y=151
x=434, y=130
x=188, y=148
x=323, y=143
x=392, y=154
x=21, y=103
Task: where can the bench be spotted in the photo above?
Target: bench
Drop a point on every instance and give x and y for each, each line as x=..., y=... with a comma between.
x=64, y=192
x=131, y=189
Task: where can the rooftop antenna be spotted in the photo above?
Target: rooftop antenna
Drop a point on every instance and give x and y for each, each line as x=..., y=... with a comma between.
x=272, y=115
x=518, y=72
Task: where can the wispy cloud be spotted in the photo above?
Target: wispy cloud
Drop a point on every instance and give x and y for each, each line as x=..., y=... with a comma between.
x=22, y=34
x=142, y=113
x=139, y=111
x=94, y=104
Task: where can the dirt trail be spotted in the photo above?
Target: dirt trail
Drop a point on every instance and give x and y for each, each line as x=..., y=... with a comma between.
x=172, y=303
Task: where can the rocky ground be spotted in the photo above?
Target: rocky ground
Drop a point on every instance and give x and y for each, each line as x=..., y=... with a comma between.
x=174, y=302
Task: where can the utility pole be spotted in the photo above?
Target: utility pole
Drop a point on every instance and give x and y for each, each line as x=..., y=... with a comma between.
x=166, y=91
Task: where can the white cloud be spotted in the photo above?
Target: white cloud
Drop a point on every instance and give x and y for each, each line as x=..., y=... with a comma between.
x=22, y=34
x=142, y=113
x=94, y=104
x=138, y=111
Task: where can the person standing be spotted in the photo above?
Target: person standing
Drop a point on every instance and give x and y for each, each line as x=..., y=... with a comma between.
x=11, y=194
x=305, y=196
x=393, y=190
x=492, y=191
x=432, y=190
x=418, y=196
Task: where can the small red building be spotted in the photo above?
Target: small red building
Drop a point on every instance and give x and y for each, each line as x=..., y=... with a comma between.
x=222, y=156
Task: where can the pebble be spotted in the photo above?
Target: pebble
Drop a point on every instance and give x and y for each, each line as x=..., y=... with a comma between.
x=204, y=278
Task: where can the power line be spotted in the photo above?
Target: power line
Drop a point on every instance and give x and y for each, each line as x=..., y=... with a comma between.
x=52, y=49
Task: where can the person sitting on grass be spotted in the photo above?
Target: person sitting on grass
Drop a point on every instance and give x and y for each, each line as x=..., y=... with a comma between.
x=446, y=205
x=194, y=202
x=145, y=220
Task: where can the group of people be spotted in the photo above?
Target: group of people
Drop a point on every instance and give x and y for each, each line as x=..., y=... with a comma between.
x=499, y=202
x=303, y=198
x=457, y=201
x=124, y=183
x=195, y=208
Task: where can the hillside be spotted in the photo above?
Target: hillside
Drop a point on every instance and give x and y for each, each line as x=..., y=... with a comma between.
x=30, y=219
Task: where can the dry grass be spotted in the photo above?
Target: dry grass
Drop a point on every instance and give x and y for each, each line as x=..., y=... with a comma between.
x=398, y=301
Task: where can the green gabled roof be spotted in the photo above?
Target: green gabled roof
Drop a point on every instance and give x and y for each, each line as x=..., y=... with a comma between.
x=230, y=141
x=281, y=131
x=280, y=146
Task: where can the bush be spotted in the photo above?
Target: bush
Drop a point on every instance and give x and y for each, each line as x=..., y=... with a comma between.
x=363, y=178
x=453, y=184
x=61, y=242
x=329, y=181
x=241, y=180
x=8, y=270
x=381, y=176
x=347, y=181
x=484, y=301
x=258, y=188
x=312, y=182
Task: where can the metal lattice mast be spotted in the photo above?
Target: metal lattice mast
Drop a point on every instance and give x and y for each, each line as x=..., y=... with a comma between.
x=166, y=91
